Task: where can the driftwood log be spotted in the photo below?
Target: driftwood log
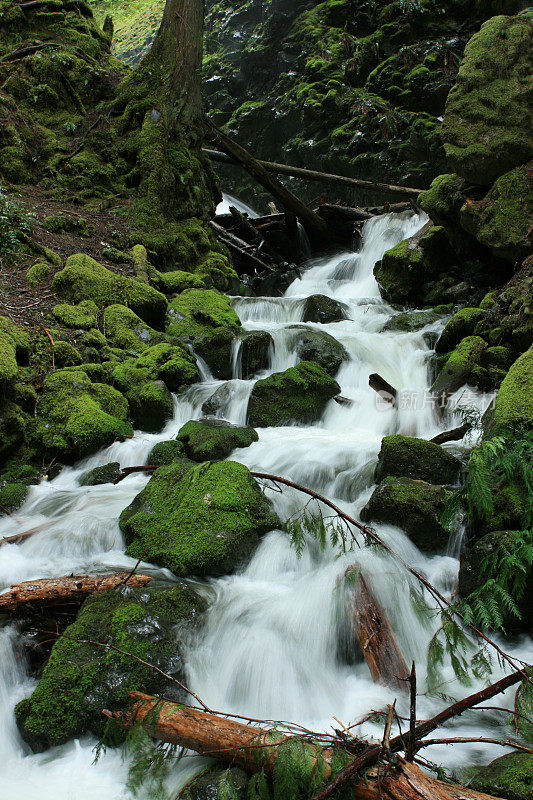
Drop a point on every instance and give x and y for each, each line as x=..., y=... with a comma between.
x=374, y=632
x=70, y=588
x=253, y=749
x=382, y=387
x=452, y=436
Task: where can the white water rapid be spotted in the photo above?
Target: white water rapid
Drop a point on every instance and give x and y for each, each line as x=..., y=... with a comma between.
x=270, y=645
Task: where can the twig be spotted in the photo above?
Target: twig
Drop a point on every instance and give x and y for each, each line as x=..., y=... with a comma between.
x=388, y=725
x=466, y=739
x=409, y=755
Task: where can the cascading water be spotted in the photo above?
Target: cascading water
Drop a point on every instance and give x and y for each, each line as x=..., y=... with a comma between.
x=270, y=647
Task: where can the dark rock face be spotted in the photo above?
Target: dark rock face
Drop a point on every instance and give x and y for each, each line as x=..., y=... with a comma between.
x=408, y=457
x=319, y=308
x=105, y=474
x=255, y=352
x=320, y=347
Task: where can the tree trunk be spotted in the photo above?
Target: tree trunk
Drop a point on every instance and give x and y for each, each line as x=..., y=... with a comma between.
x=254, y=749
x=72, y=588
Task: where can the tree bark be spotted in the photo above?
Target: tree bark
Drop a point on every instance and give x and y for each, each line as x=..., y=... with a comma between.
x=253, y=749
x=72, y=588
x=374, y=632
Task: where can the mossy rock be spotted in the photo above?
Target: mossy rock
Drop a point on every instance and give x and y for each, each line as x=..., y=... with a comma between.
x=8, y=359
x=127, y=331
x=510, y=776
x=319, y=308
x=83, y=278
x=200, y=521
x=409, y=457
x=82, y=316
x=104, y=474
x=76, y=417
x=207, y=785
x=12, y=496
x=460, y=325
x=471, y=576
x=38, y=273
x=165, y=453
x=318, y=346
x=459, y=365
x=171, y=363
x=487, y=128
x=413, y=505
x=12, y=428
x=81, y=679
x=65, y=355
x=213, y=439
x=300, y=394
x=514, y=406
x=501, y=221
x=63, y=223
x=177, y=281
x=411, y=321
x=255, y=349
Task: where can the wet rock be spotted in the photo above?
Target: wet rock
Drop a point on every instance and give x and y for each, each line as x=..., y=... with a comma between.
x=299, y=394
x=459, y=365
x=213, y=439
x=318, y=346
x=411, y=321
x=409, y=457
x=208, y=785
x=104, y=474
x=256, y=347
x=81, y=679
x=510, y=776
x=204, y=520
x=460, y=325
x=413, y=505
x=319, y=308
x=166, y=452
x=219, y=399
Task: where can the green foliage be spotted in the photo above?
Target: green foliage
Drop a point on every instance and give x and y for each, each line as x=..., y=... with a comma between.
x=150, y=764
x=12, y=218
x=305, y=528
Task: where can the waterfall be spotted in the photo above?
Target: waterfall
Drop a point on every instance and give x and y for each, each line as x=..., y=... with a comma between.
x=270, y=647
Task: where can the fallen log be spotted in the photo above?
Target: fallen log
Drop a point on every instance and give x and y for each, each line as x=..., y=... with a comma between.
x=452, y=436
x=374, y=632
x=70, y=588
x=18, y=537
x=343, y=214
x=240, y=246
x=227, y=157
x=315, y=226
x=255, y=749
x=382, y=387
x=343, y=401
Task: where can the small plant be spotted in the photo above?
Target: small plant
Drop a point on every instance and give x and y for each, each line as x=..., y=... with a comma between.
x=12, y=220
x=70, y=127
x=307, y=528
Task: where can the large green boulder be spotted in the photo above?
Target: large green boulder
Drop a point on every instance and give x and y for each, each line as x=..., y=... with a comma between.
x=82, y=315
x=510, y=776
x=299, y=394
x=213, y=439
x=164, y=453
x=413, y=505
x=502, y=219
x=459, y=365
x=460, y=325
x=317, y=346
x=126, y=330
x=76, y=417
x=488, y=124
x=171, y=363
x=177, y=281
x=514, y=401
x=81, y=679
x=202, y=520
x=83, y=278
x=206, y=319
x=320, y=308
x=409, y=457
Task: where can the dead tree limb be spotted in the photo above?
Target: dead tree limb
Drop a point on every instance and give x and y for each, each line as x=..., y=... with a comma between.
x=316, y=227
x=227, y=157
x=374, y=632
x=240, y=246
x=452, y=436
x=382, y=387
x=68, y=588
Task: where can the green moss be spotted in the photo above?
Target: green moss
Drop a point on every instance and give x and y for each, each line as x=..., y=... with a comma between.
x=412, y=321
x=8, y=359
x=104, y=474
x=299, y=394
x=173, y=364
x=459, y=365
x=514, y=403
x=81, y=679
x=177, y=281
x=81, y=316
x=198, y=311
x=165, y=453
x=415, y=506
x=125, y=330
x=443, y=199
x=460, y=325
x=76, y=417
x=150, y=401
x=318, y=346
x=509, y=776
x=12, y=496
x=12, y=429
x=489, y=300
x=65, y=355
x=197, y=521
x=62, y=223
x=38, y=273
x=524, y=706
x=210, y=440
x=408, y=457
x=84, y=278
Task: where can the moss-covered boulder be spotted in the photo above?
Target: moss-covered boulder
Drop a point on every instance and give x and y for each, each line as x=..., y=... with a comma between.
x=494, y=545
x=38, y=273
x=409, y=457
x=514, y=404
x=411, y=321
x=510, y=776
x=213, y=439
x=164, y=453
x=171, y=363
x=462, y=324
x=177, y=281
x=8, y=359
x=459, y=365
x=66, y=355
x=83, y=278
x=413, y=505
x=12, y=428
x=81, y=316
x=255, y=350
x=65, y=223
x=299, y=394
x=199, y=521
x=12, y=496
x=206, y=319
x=81, y=679
x=487, y=128
x=126, y=330
x=107, y=473
x=317, y=346
x=320, y=308
x=76, y=417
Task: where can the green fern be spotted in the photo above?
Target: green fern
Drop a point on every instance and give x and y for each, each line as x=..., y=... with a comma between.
x=307, y=528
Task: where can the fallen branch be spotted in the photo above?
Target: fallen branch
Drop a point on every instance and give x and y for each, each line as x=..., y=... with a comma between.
x=125, y=471
x=17, y=537
x=452, y=436
x=312, y=175
x=383, y=388
x=68, y=588
x=240, y=246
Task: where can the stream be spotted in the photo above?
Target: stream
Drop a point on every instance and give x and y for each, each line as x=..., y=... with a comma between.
x=270, y=647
